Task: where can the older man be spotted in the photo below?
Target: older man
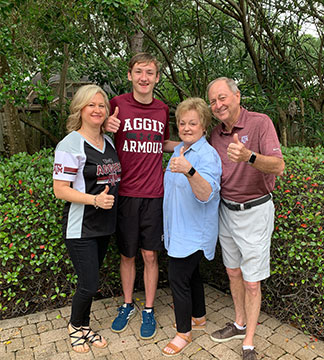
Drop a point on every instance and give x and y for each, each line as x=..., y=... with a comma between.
x=251, y=158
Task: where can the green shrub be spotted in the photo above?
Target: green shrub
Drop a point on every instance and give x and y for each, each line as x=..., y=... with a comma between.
x=295, y=290
x=36, y=272
x=35, y=268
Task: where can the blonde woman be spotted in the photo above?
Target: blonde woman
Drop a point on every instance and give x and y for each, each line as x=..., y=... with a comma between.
x=87, y=175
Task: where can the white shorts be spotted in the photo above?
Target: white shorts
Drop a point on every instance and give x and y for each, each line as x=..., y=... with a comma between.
x=245, y=238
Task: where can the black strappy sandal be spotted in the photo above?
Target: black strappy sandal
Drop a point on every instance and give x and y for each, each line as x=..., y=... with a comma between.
x=79, y=340
x=93, y=338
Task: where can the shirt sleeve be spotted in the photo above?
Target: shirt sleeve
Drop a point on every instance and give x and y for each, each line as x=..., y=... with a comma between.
x=209, y=167
x=65, y=166
x=269, y=142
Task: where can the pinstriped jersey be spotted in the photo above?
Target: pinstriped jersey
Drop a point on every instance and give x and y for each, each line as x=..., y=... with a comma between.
x=89, y=170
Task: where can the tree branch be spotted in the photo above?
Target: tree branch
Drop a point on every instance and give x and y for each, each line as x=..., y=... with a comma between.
x=180, y=91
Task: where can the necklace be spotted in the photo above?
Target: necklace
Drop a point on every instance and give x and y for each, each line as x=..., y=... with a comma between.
x=97, y=142
x=92, y=139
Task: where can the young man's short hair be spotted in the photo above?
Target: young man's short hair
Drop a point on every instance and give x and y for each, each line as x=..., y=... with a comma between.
x=143, y=57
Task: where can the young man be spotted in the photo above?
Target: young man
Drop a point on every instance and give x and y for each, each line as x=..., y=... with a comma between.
x=251, y=158
x=141, y=126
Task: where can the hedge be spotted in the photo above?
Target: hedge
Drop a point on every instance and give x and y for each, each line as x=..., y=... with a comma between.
x=295, y=290
x=35, y=269
x=36, y=272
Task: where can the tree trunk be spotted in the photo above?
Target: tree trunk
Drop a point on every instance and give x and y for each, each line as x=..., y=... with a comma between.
x=302, y=125
x=137, y=42
x=13, y=135
x=283, y=127
x=62, y=89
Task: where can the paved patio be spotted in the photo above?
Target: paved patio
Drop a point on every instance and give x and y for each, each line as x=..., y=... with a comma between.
x=43, y=336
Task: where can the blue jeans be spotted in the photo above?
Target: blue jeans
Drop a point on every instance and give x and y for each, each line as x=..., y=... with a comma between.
x=87, y=256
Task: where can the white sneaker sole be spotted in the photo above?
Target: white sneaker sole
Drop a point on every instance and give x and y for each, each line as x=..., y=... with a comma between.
x=228, y=339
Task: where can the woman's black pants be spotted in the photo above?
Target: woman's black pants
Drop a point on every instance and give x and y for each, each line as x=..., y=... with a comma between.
x=87, y=255
x=187, y=290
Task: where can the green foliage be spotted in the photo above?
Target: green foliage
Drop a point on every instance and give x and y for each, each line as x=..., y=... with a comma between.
x=166, y=158
x=35, y=268
x=37, y=272
x=297, y=258
x=278, y=66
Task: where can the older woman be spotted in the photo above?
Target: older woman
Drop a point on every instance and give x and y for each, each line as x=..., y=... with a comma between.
x=191, y=199
x=86, y=175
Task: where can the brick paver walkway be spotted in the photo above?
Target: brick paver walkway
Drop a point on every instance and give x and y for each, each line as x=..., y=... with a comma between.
x=43, y=336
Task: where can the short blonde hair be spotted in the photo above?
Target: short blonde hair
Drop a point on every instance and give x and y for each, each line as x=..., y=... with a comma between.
x=82, y=98
x=198, y=105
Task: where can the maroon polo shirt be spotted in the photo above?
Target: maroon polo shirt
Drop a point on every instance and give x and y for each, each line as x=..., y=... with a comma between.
x=241, y=182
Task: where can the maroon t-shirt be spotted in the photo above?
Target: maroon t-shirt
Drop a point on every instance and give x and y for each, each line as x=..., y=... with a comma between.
x=139, y=145
x=241, y=182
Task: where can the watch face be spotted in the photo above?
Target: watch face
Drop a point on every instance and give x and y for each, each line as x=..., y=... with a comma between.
x=252, y=158
x=191, y=171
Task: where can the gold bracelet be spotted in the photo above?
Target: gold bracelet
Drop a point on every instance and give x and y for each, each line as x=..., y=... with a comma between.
x=95, y=202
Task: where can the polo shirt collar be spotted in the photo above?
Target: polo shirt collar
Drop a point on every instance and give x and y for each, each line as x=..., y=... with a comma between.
x=239, y=125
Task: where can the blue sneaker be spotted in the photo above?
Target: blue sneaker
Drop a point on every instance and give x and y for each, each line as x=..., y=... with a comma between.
x=148, y=327
x=125, y=313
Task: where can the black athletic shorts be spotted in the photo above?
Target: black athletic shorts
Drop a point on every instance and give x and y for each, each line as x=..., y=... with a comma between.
x=139, y=225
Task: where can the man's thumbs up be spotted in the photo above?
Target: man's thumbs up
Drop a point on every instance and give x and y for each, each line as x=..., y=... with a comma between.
x=236, y=139
x=236, y=150
x=116, y=112
x=113, y=123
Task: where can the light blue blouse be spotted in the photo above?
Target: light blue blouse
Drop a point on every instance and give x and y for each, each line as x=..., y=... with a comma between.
x=190, y=224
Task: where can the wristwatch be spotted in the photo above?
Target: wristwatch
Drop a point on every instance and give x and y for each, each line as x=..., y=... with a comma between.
x=252, y=158
x=191, y=172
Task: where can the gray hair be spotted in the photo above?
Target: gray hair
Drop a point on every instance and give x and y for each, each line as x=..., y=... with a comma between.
x=230, y=83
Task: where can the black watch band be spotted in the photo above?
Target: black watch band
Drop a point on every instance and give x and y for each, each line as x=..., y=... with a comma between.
x=191, y=172
x=252, y=158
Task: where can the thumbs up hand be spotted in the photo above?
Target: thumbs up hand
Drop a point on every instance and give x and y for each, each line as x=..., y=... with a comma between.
x=236, y=151
x=236, y=139
x=106, y=190
x=180, y=164
x=104, y=200
x=113, y=123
